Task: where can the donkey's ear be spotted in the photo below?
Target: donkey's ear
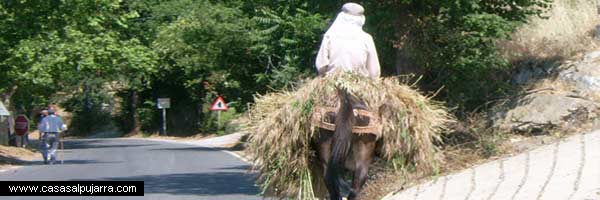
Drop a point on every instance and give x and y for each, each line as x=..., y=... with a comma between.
x=355, y=101
x=360, y=105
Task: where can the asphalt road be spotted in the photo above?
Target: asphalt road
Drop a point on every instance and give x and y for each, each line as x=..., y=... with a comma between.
x=169, y=170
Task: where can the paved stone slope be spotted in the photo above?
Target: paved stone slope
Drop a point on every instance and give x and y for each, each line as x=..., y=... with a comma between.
x=569, y=169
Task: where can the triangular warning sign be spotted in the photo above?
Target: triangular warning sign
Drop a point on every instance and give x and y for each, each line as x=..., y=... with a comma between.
x=219, y=104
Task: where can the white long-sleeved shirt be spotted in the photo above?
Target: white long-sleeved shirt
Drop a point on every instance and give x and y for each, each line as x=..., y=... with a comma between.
x=354, y=53
x=52, y=123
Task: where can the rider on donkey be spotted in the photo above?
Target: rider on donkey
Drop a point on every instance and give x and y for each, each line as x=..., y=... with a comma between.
x=296, y=140
x=347, y=47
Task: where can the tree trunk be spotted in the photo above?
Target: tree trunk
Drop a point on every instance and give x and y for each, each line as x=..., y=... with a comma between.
x=200, y=109
x=199, y=115
x=403, y=26
x=7, y=96
x=6, y=100
x=136, y=125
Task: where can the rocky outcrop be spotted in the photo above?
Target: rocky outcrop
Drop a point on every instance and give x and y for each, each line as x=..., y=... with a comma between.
x=539, y=112
x=569, y=97
x=585, y=75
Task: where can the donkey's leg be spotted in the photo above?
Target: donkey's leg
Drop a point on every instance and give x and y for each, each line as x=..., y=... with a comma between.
x=325, y=144
x=325, y=141
x=363, y=152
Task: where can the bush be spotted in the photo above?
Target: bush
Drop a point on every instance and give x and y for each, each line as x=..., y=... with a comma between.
x=91, y=112
x=464, y=58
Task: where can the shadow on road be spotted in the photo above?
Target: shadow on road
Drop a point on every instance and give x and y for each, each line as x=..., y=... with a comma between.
x=239, y=167
x=70, y=162
x=92, y=144
x=218, y=183
x=82, y=162
x=192, y=149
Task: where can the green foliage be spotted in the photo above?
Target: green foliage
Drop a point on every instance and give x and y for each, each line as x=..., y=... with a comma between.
x=68, y=46
x=455, y=42
x=207, y=42
x=465, y=59
x=147, y=115
x=232, y=48
x=237, y=53
x=288, y=44
x=193, y=50
x=91, y=111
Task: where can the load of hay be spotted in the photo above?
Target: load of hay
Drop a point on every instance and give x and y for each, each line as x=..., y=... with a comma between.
x=282, y=132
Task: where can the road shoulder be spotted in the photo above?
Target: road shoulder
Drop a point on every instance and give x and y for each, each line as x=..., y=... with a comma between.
x=15, y=157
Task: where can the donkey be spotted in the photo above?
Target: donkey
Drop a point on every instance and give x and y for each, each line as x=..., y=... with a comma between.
x=342, y=150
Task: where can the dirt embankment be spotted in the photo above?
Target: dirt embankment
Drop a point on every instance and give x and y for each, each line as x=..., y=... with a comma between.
x=11, y=156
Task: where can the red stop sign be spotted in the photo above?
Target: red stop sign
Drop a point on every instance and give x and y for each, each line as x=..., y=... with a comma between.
x=21, y=125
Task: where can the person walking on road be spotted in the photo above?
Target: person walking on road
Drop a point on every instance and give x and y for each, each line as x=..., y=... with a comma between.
x=50, y=127
x=43, y=114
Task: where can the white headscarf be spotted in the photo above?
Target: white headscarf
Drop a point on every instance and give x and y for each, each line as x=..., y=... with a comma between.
x=347, y=47
x=349, y=22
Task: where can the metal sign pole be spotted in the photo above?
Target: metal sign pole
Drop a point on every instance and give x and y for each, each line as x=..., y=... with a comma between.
x=218, y=120
x=164, y=125
x=164, y=103
x=219, y=105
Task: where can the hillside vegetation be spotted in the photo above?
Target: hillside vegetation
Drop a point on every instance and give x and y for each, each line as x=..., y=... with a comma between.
x=567, y=28
x=108, y=61
x=538, y=52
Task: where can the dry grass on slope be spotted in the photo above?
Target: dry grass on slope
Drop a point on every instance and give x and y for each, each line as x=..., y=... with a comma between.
x=16, y=156
x=567, y=29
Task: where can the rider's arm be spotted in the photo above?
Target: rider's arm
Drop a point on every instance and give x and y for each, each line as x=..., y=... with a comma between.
x=322, y=61
x=372, y=59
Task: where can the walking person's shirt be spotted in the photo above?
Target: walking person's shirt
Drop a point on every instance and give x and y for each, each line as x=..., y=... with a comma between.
x=52, y=124
x=347, y=47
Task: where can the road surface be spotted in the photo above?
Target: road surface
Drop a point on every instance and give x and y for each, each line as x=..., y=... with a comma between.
x=169, y=170
x=569, y=169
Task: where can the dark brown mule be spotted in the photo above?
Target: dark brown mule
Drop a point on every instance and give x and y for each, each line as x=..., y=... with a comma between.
x=341, y=150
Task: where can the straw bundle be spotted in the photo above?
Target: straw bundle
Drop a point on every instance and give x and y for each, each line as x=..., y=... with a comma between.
x=282, y=131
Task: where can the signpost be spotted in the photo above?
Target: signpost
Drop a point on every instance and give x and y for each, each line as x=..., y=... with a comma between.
x=21, y=125
x=219, y=105
x=164, y=103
